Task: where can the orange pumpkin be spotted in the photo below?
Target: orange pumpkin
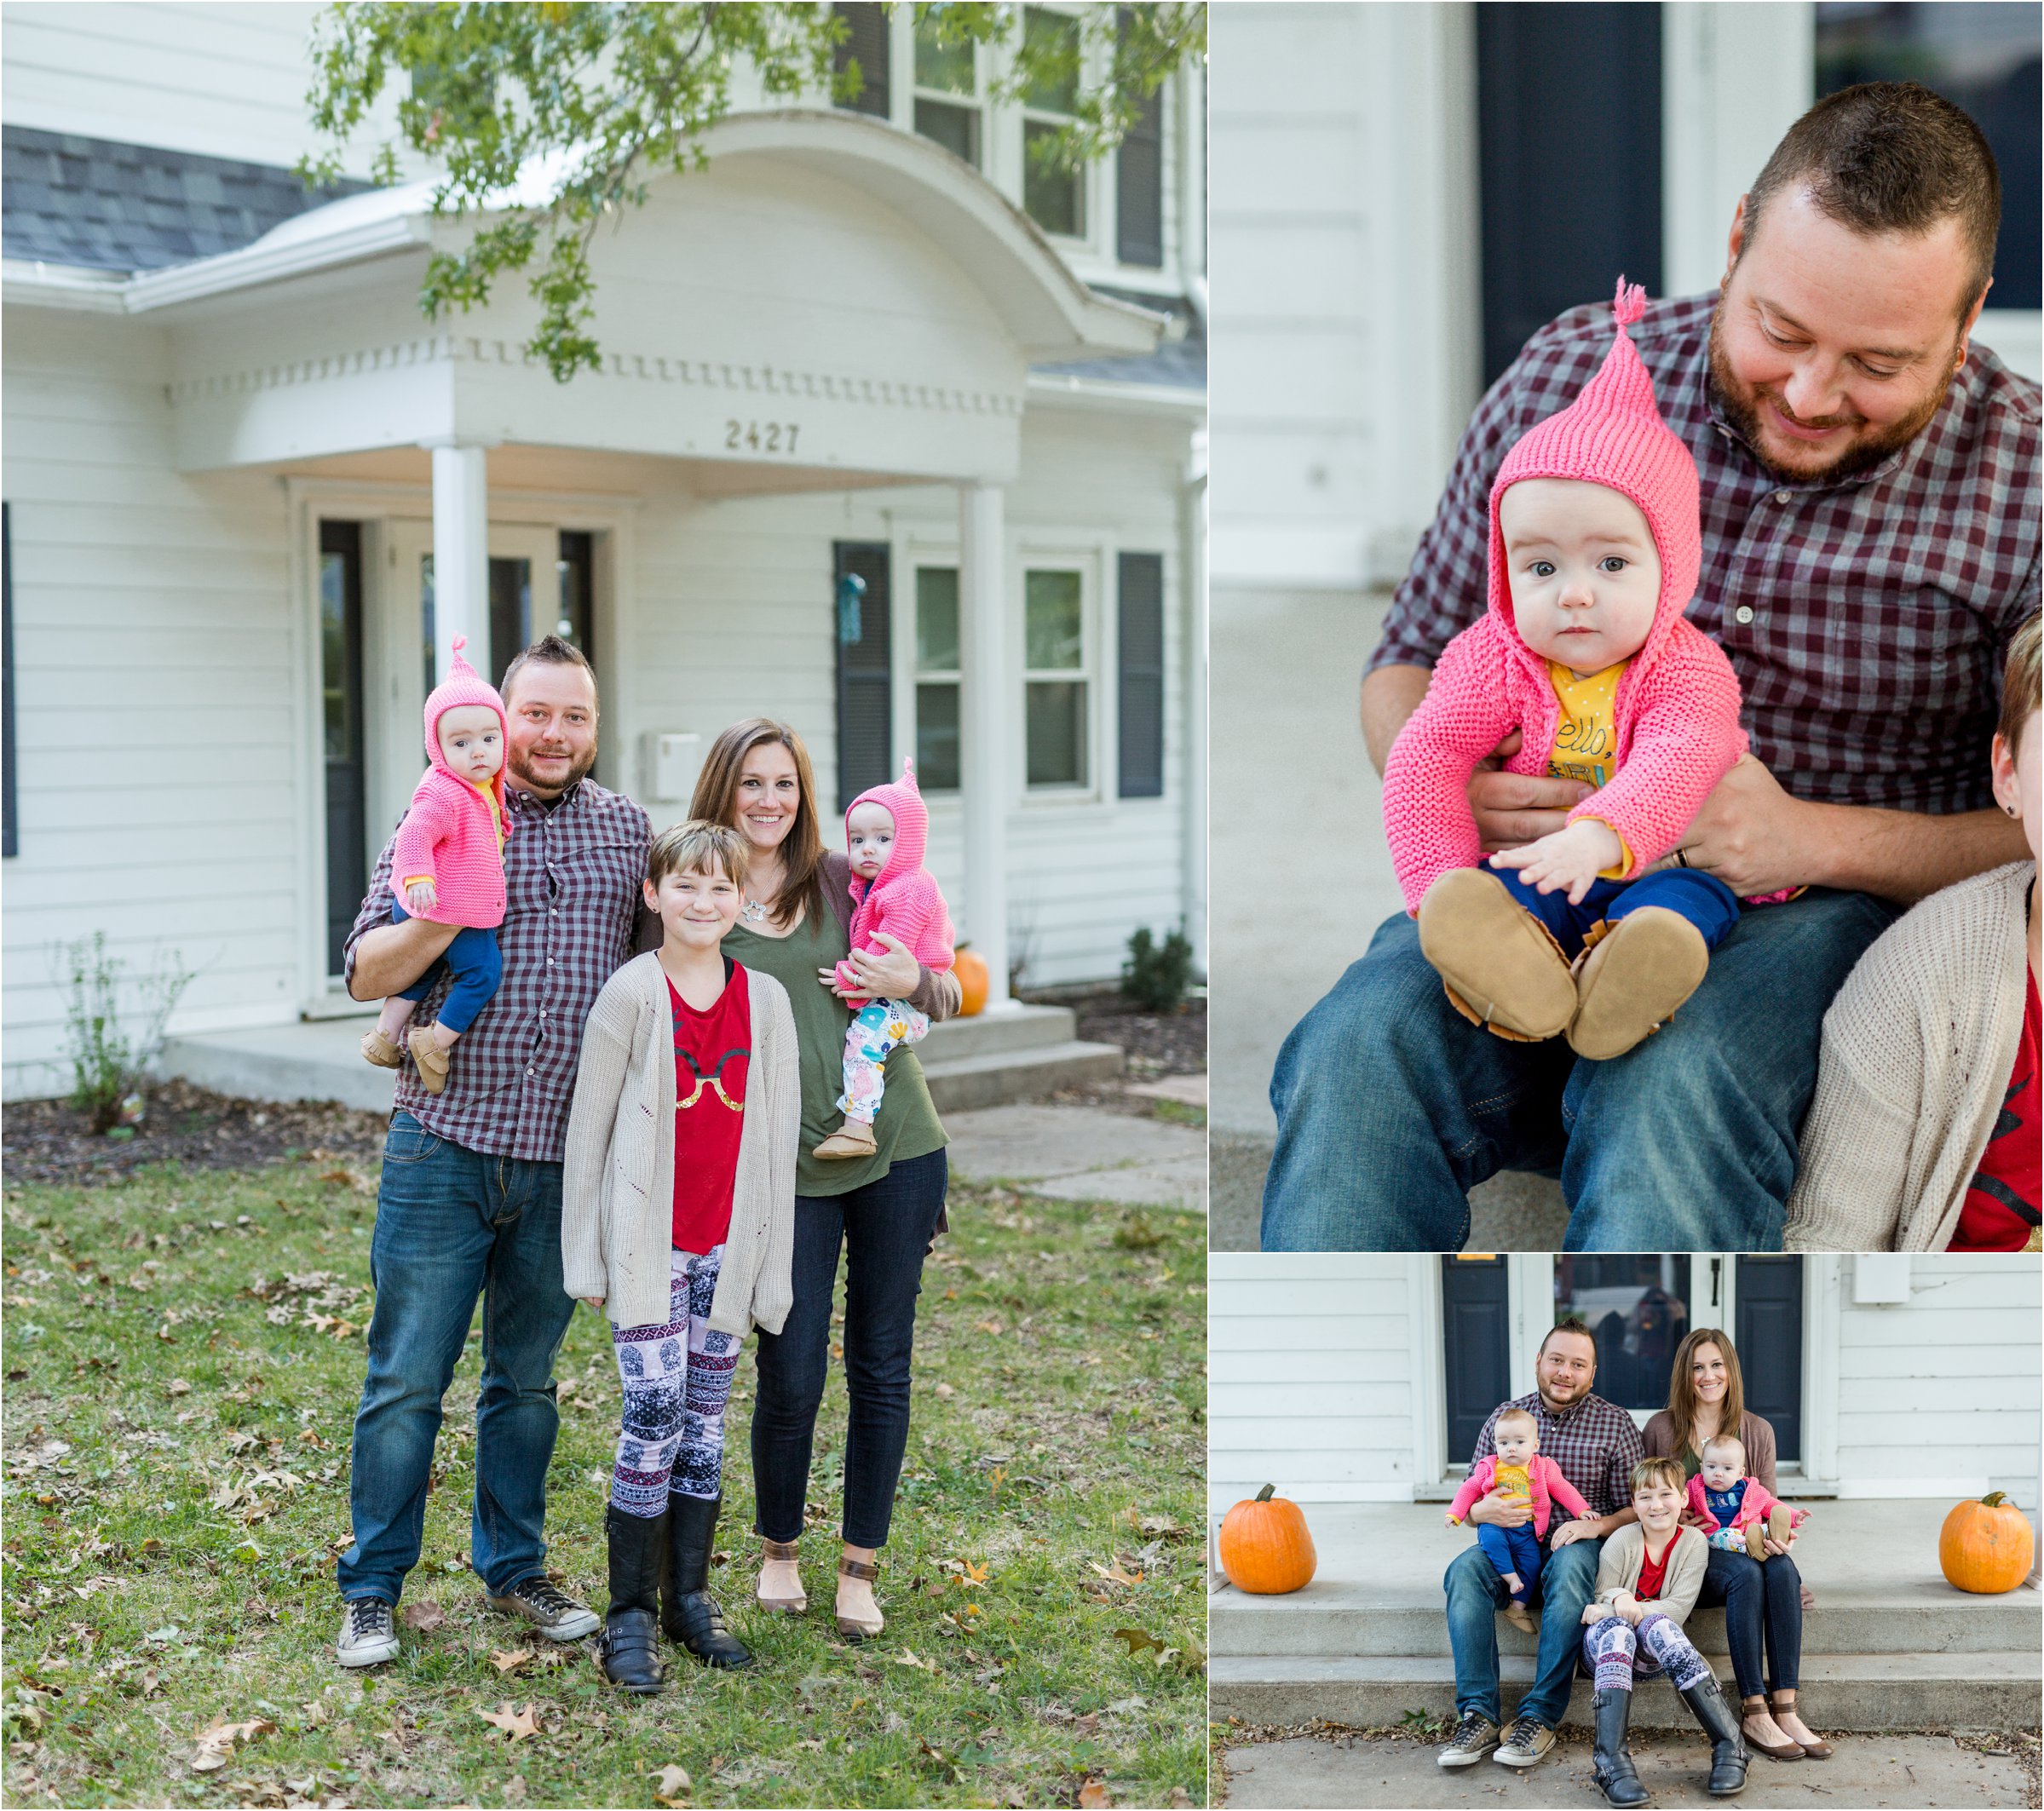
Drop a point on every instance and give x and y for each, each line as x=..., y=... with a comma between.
x=970, y=968
x=1265, y=1546
x=1986, y=1546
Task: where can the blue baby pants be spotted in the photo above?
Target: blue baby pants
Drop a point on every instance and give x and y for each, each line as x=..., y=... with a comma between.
x=476, y=964
x=1513, y=1550
x=1704, y=899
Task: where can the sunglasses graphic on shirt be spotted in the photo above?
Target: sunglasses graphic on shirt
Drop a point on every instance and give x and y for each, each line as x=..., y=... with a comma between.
x=710, y=1079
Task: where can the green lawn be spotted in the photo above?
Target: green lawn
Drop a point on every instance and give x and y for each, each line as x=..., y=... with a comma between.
x=183, y=1353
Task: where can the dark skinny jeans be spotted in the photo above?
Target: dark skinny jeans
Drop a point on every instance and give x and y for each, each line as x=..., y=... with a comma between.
x=884, y=1230
x=1761, y=1600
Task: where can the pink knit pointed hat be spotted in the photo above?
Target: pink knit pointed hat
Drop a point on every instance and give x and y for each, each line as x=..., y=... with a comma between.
x=904, y=798
x=1613, y=434
x=463, y=685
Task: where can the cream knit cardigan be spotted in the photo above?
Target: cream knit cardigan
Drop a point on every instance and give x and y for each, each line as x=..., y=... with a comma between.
x=1917, y=1051
x=617, y=1185
x=1623, y=1558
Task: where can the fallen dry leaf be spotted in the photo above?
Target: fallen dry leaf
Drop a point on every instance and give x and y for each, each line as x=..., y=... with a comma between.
x=977, y=1573
x=177, y=1387
x=425, y=1616
x=1114, y=1574
x=1137, y=1640
x=509, y=1661
x=1094, y=1795
x=907, y=1658
x=674, y=1781
x=218, y=1739
x=515, y=1724
x=151, y=1681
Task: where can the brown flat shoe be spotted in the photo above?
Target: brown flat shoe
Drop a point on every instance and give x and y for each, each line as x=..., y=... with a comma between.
x=795, y=1606
x=1520, y=1618
x=1501, y=967
x=378, y=1050
x=432, y=1060
x=857, y=1628
x=854, y=1138
x=1629, y=983
x=1753, y=1707
x=1781, y=1703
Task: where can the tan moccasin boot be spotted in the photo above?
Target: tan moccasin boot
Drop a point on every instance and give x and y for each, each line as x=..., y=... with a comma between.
x=854, y=1138
x=1629, y=983
x=432, y=1060
x=1502, y=968
x=378, y=1050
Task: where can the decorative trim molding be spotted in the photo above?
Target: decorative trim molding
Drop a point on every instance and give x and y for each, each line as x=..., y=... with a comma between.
x=636, y=367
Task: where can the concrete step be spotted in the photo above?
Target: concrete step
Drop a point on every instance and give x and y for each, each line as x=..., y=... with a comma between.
x=1018, y=1028
x=1354, y=1621
x=999, y=1075
x=317, y=1059
x=1838, y=1691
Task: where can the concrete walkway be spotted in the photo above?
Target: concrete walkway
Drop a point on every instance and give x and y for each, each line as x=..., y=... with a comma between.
x=1308, y=1772
x=1082, y=1153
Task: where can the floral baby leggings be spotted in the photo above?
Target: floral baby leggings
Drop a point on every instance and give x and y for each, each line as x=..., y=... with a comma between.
x=1613, y=1652
x=876, y=1029
x=677, y=1379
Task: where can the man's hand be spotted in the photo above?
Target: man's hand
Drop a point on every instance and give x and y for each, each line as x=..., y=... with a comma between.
x=1516, y=809
x=1751, y=835
x=889, y=977
x=1577, y=1530
x=1500, y=1511
x=1571, y=858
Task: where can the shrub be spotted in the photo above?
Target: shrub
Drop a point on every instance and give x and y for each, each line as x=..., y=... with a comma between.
x=108, y=1060
x=1156, y=974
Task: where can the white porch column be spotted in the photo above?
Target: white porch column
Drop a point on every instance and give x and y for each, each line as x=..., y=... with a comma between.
x=461, y=554
x=986, y=786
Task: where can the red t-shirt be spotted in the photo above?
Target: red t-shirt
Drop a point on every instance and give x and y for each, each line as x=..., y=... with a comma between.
x=2000, y=1209
x=712, y=1051
x=1653, y=1570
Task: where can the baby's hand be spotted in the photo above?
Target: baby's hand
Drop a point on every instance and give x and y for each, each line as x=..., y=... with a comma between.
x=851, y=995
x=1453, y=1520
x=421, y=897
x=1571, y=858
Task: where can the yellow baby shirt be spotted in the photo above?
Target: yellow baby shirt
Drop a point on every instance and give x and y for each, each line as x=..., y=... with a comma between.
x=1586, y=735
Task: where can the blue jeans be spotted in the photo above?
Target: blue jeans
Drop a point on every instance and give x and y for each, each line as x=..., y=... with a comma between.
x=1761, y=1600
x=1513, y=1550
x=1391, y=1106
x=475, y=961
x=1476, y=1594
x=884, y=1230
x=453, y=1225
x=1704, y=899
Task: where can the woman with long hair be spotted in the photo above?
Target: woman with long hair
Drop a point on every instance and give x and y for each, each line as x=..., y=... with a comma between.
x=880, y=1212
x=1762, y=1599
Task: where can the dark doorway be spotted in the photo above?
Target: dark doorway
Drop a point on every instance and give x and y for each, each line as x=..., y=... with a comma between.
x=1570, y=102
x=341, y=719
x=1475, y=1323
x=1769, y=1335
x=1639, y=1307
x=862, y=625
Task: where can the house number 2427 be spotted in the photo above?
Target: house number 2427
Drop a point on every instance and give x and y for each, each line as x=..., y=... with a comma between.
x=767, y=437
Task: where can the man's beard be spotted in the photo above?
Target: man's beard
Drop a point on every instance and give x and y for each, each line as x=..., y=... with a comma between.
x=1742, y=408
x=515, y=769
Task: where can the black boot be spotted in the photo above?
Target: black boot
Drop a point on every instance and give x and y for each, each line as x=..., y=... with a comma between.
x=1613, y=1764
x=688, y=1613
x=1728, y=1756
x=628, y=1648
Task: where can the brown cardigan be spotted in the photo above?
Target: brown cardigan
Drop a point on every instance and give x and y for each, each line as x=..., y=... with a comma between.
x=1756, y=1436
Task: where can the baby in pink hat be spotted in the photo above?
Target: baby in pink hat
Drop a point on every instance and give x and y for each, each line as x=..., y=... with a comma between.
x=886, y=831
x=1595, y=544
x=446, y=864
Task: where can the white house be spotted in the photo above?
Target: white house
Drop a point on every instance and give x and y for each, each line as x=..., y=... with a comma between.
x=251, y=493
x=1351, y=1378
x=1403, y=190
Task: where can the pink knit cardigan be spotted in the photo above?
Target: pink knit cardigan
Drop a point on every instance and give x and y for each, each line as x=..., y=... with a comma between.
x=1753, y=1507
x=903, y=899
x=1549, y=1488
x=450, y=834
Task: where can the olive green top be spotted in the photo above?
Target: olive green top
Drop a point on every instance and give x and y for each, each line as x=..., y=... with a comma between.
x=906, y=1125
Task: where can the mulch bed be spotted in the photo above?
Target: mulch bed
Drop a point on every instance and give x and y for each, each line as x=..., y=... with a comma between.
x=1157, y=1043
x=46, y=1141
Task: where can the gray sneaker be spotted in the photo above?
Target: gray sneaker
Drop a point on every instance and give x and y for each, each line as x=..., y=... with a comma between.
x=368, y=1633
x=1529, y=1739
x=554, y=1613
x=1474, y=1736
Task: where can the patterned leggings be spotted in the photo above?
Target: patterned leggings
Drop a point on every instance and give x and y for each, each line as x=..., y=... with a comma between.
x=1612, y=1652
x=876, y=1028
x=677, y=1379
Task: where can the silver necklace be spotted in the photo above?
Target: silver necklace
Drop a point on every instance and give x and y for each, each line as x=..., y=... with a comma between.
x=753, y=912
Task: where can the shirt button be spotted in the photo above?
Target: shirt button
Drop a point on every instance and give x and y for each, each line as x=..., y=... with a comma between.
x=1783, y=497
x=1743, y=614
x=532, y=1071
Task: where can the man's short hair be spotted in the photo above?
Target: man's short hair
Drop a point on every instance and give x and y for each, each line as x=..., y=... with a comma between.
x=2019, y=685
x=698, y=847
x=1571, y=1324
x=1891, y=157
x=1525, y=1415
x=1650, y=1472
x=547, y=651
x=1721, y=1441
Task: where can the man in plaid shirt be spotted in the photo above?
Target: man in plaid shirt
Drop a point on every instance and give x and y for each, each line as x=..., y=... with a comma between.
x=1870, y=546
x=470, y=1203
x=1595, y=1445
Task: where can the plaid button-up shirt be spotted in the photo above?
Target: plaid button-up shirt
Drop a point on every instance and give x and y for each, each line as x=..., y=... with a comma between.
x=1868, y=619
x=572, y=873
x=1592, y=1442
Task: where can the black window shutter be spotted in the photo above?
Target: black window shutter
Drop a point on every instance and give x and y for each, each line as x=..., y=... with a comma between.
x=864, y=670
x=1139, y=185
x=9, y=831
x=1141, y=588
x=866, y=44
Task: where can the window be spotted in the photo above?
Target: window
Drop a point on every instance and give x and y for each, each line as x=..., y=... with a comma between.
x=937, y=678
x=341, y=694
x=1140, y=658
x=948, y=109
x=1054, y=678
x=860, y=617
x=1139, y=185
x=1053, y=195
x=577, y=571
x=865, y=44
x=1639, y=1307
